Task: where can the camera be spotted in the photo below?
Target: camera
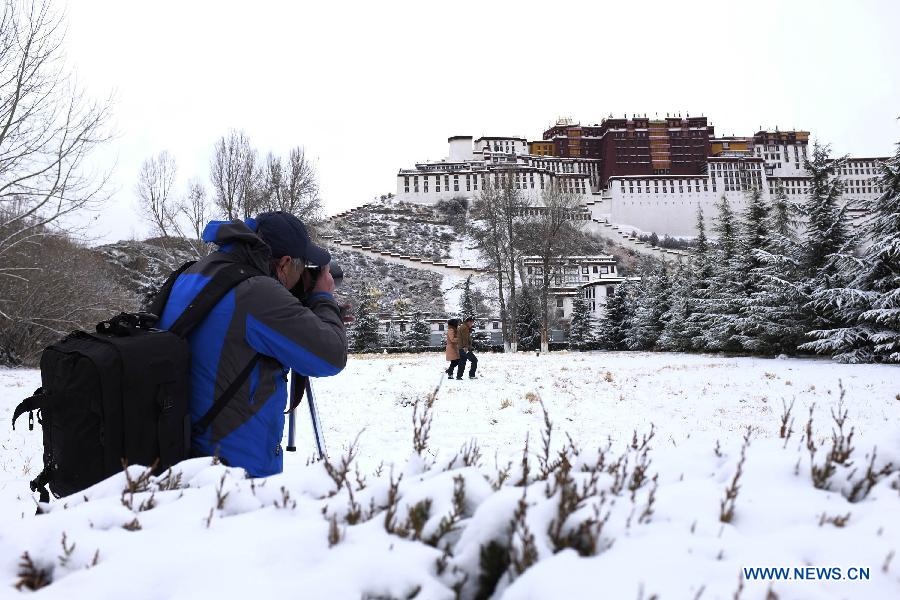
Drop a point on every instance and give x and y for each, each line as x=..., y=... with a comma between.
x=337, y=273
x=315, y=271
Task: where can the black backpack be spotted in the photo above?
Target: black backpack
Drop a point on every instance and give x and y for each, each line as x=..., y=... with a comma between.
x=121, y=395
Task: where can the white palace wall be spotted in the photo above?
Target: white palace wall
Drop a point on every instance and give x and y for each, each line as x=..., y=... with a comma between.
x=425, y=187
x=666, y=209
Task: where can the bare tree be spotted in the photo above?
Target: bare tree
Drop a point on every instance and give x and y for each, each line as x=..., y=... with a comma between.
x=292, y=187
x=156, y=181
x=550, y=232
x=272, y=197
x=511, y=209
x=489, y=239
x=499, y=208
x=197, y=210
x=235, y=176
x=47, y=130
x=302, y=187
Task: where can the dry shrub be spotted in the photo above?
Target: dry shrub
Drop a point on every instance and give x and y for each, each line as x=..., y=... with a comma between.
x=59, y=286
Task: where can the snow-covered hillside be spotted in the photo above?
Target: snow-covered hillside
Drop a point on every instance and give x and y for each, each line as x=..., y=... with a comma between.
x=421, y=288
x=410, y=229
x=650, y=486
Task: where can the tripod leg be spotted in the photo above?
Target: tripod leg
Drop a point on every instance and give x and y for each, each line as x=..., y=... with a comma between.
x=314, y=419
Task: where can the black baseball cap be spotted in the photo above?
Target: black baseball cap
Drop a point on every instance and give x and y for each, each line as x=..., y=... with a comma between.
x=286, y=235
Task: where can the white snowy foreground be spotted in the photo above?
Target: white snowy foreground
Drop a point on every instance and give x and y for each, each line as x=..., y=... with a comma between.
x=632, y=507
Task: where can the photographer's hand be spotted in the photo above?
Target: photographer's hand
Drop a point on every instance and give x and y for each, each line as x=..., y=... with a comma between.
x=325, y=282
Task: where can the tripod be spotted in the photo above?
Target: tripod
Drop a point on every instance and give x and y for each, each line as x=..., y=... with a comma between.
x=313, y=416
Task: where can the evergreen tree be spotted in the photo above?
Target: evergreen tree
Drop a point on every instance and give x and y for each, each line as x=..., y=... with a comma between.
x=364, y=332
x=827, y=245
x=747, y=277
x=753, y=237
x=827, y=230
x=528, y=321
x=869, y=307
x=582, y=334
x=419, y=333
x=392, y=338
x=616, y=318
x=772, y=318
x=676, y=334
x=652, y=302
x=699, y=279
x=718, y=312
x=467, y=302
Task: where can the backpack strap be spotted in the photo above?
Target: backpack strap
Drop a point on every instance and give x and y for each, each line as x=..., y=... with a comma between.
x=158, y=304
x=37, y=401
x=221, y=283
x=217, y=407
x=214, y=290
x=39, y=485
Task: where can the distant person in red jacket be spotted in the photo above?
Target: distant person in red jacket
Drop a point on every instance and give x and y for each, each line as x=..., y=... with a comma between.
x=452, y=351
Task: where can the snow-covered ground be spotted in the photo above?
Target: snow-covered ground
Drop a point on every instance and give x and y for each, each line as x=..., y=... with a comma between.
x=594, y=524
x=463, y=252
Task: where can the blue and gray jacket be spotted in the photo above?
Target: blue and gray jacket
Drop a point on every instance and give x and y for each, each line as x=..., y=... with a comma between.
x=258, y=316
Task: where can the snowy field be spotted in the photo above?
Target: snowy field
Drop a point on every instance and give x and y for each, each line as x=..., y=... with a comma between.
x=636, y=497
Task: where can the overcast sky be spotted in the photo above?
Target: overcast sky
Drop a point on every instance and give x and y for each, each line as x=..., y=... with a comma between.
x=371, y=87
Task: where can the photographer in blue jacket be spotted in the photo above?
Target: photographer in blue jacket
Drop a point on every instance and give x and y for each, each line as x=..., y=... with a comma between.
x=260, y=324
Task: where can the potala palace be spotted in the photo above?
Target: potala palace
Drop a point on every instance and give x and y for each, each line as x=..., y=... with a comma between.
x=648, y=174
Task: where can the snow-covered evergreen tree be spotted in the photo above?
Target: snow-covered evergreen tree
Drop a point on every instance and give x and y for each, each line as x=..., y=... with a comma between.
x=393, y=337
x=869, y=307
x=718, y=313
x=652, y=302
x=699, y=281
x=827, y=245
x=675, y=336
x=771, y=320
x=582, y=330
x=419, y=334
x=364, y=332
x=528, y=320
x=467, y=302
x=827, y=229
x=746, y=280
x=616, y=318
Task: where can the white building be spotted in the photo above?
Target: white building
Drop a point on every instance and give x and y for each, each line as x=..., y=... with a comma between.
x=595, y=277
x=664, y=204
x=469, y=168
